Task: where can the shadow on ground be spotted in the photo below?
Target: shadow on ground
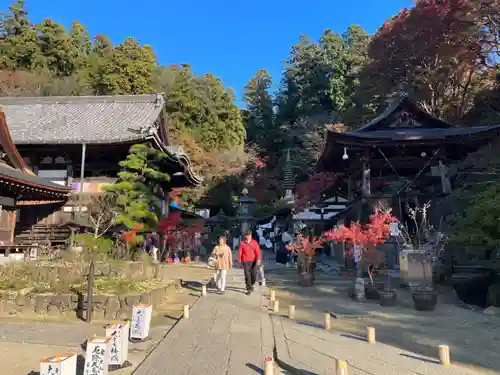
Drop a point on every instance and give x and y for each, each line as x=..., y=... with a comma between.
x=471, y=336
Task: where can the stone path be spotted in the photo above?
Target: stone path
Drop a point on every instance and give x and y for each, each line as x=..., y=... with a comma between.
x=306, y=349
x=226, y=334
x=472, y=337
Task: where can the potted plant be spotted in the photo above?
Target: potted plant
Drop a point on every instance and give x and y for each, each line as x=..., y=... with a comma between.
x=363, y=240
x=305, y=248
x=424, y=238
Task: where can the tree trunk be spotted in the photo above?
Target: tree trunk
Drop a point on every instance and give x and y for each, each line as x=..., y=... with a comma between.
x=90, y=290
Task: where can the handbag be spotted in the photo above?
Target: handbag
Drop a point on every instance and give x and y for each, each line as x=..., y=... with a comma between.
x=212, y=262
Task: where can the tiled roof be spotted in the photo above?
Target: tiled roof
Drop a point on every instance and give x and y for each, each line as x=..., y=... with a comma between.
x=41, y=184
x=419, y=134
x=81, y=119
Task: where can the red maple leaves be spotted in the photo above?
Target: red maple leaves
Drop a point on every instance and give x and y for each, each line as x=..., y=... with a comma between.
x=366, y=236
x=131, y=235
x=312, y=189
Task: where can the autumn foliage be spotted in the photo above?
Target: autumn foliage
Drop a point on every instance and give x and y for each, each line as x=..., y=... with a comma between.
x=306, y=246
x=366, y=236
x=438, y=50
x=312, y=189
x=131, y=235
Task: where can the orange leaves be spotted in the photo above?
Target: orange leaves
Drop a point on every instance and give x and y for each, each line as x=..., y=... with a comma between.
x=367, y=236
x=131, y=235
x=306, y=246
x=311, y=189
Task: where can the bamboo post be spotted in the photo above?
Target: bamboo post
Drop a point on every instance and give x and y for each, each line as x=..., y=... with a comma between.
x=276, y=307
x=444, y=355
x=291, y=312
x=186, y=312
x=203, y=290
x=268, y=366
x=326, y=323
x=340, y=367
x=272, y=296
x=370, y=335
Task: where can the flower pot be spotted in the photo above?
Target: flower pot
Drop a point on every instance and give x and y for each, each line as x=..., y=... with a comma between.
x=372, y=292
x=305, y=278
x=424, y=300
x=388, y=297
x=306, y=268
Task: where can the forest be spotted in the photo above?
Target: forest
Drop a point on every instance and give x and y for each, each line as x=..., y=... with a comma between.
x=443, y=53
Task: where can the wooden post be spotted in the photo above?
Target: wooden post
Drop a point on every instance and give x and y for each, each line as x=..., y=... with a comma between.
x=444, y=355
x=186, y=312
x=82, y=178
x=326, y=323
x=276, y=307
x=203, y=290
x=291, y=312
x=268, y=366
x=340, y=367
x=90, y=290
x=272, y=296
x=370, y=335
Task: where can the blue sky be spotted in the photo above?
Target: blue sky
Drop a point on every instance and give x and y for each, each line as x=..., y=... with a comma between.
x=231, y=39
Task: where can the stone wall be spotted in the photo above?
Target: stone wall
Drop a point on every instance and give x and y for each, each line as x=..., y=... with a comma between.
x=72, y=305
x=132, y=270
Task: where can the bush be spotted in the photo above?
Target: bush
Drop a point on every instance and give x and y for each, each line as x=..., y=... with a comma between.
x=475, y=291
x=493, y=296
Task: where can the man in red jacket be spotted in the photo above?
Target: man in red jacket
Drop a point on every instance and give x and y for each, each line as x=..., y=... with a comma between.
x=249, y=256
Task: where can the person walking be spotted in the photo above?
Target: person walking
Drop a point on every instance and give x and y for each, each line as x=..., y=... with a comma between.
x=249, y=257
x=222, y=253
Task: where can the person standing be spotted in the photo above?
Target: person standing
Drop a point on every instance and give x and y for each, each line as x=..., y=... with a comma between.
x=249, y=257
x=222, y=253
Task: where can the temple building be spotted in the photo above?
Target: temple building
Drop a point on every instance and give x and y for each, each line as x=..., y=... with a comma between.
x=404, y=157
x=21, y=189
x=405, y=154
x=78, y=142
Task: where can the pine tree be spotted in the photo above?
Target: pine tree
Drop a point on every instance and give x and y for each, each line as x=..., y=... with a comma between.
x=137, y=187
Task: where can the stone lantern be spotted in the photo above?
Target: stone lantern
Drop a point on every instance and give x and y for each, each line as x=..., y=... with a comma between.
x=244, y=210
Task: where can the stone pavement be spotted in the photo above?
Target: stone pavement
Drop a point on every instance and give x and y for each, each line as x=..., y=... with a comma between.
x=226, y=334
x=304, y=349
x=472, y=337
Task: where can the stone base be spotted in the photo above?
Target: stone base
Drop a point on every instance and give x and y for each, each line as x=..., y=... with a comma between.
x=359, y=289
x=125, y=364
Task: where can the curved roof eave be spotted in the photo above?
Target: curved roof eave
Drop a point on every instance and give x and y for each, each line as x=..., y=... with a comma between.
x=179, y=158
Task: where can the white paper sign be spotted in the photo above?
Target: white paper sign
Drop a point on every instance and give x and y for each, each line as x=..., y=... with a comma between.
x=141, y=320
x=118, y=333
x=97, y=356
x=394, y=229
x=64, y=364
x=357, y=253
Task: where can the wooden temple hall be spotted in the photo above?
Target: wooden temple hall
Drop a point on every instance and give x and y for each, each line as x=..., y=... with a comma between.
x=59, y=148
x=404, y=156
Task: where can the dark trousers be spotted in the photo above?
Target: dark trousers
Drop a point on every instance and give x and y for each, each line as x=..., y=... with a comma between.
x=250, y=270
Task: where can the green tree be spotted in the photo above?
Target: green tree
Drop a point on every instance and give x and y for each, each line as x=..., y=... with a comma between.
x=135, y=192
x=81, y=43
x=19, y=47
x=203, y=107
x=127, y=68
x=259, y=114
x=16, y=21
x=57, y=48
